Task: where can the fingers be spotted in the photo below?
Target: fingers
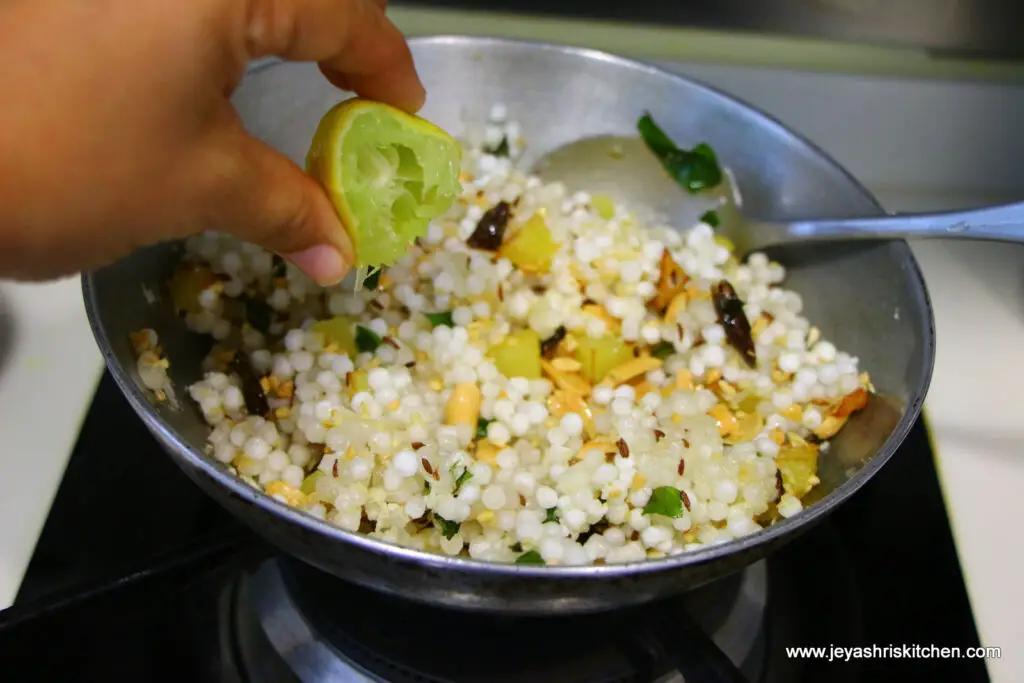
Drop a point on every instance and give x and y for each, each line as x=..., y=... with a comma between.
x=356, y=45
x=271, y=202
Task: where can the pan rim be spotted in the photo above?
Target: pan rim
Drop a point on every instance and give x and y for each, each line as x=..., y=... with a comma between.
x=195, y=459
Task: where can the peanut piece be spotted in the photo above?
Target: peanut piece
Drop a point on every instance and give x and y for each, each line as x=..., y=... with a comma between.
x=829, y=427
x=464, y=405
x=724, y=417
x=634, y=367
x=676, y=306
x=487, y=452
x=566, y=380
x=292, y=495
x=611, y=324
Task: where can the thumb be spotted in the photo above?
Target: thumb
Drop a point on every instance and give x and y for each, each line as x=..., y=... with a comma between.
x=274, y=204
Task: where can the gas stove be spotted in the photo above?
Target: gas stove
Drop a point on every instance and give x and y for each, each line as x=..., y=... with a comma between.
x=139, y=577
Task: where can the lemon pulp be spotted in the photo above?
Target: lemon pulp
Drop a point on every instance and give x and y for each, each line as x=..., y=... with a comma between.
x=388, y=174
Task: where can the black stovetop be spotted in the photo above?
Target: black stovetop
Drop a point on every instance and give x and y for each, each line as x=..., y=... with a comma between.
x=130, y=571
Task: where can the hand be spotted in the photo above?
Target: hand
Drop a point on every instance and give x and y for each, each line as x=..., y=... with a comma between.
x=117, y=131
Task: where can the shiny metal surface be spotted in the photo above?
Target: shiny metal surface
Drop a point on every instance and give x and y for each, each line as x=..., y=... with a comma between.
x=634, y=176
x=278, y=642
x=869, y=297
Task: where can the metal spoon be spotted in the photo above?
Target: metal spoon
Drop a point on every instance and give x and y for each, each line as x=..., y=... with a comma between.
x=625, y=169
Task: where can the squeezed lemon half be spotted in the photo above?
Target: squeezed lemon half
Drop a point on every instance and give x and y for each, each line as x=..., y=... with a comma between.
x=388, y=174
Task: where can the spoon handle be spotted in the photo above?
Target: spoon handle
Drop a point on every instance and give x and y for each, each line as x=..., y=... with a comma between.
x=1004, y=223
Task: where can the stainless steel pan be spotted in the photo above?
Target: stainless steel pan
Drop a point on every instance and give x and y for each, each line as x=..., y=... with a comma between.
x=869, y=297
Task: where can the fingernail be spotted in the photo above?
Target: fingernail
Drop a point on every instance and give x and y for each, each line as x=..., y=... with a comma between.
x=323, y=263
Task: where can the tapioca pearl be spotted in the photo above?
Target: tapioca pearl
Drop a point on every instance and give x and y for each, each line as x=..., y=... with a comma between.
x=293, y=475
x=256, y=448
x=536, y=412
x=225, y=452
x=638, y=520
x=622, y=407
x=293, y=340
x=782, y=399
x=626, y=392
x=713, y=356
x=789, y=362
x=498, y=434
x=405, y=463
x=605, y=474
x=766, y=447
x=379, y=379
x=614, y=537
x=519, y=385
x=572, y=424
x=551, y=550
x=654, y=536
x=278, y=460
x=416, y=507
x=713, y=335
x=507, y=459
x=825, y=350
x=828, y=374
x=558, y=436
x=848, y=383
x=519, y=425
x=789, y=505
x=726, y=491
x=359, y=468
x=299, y=454
x=282, y=368
x=602, y=395
x=546, y=497
x=493, y=497
x=233, y=399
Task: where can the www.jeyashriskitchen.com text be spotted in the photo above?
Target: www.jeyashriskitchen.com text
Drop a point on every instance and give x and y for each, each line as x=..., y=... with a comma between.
x=837, y=653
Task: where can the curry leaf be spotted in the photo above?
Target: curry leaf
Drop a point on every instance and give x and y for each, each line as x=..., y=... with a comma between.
x=367, y=340
x=372, y=281
x=444, y=318
x=666, y=501
x=482, y=423
x=448, y=528
x=530, y=557
x=710, y=217
x=694, y=170
x=663, y=350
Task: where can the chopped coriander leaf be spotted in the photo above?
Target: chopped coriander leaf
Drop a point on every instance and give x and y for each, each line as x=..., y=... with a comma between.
x=663, y=350
x=444, y=318
x=448, y=528
x=710, y=217
x=694, y=170
x=666, y=501
x=372, y=280
x=481, y=427
x=551, y=516
x=502, y=148
x=530, y=557
x=462, y=479
x=367, y=340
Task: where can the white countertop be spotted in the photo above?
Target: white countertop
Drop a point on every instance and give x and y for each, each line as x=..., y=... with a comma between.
x=973, y=409
x=48, y=373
